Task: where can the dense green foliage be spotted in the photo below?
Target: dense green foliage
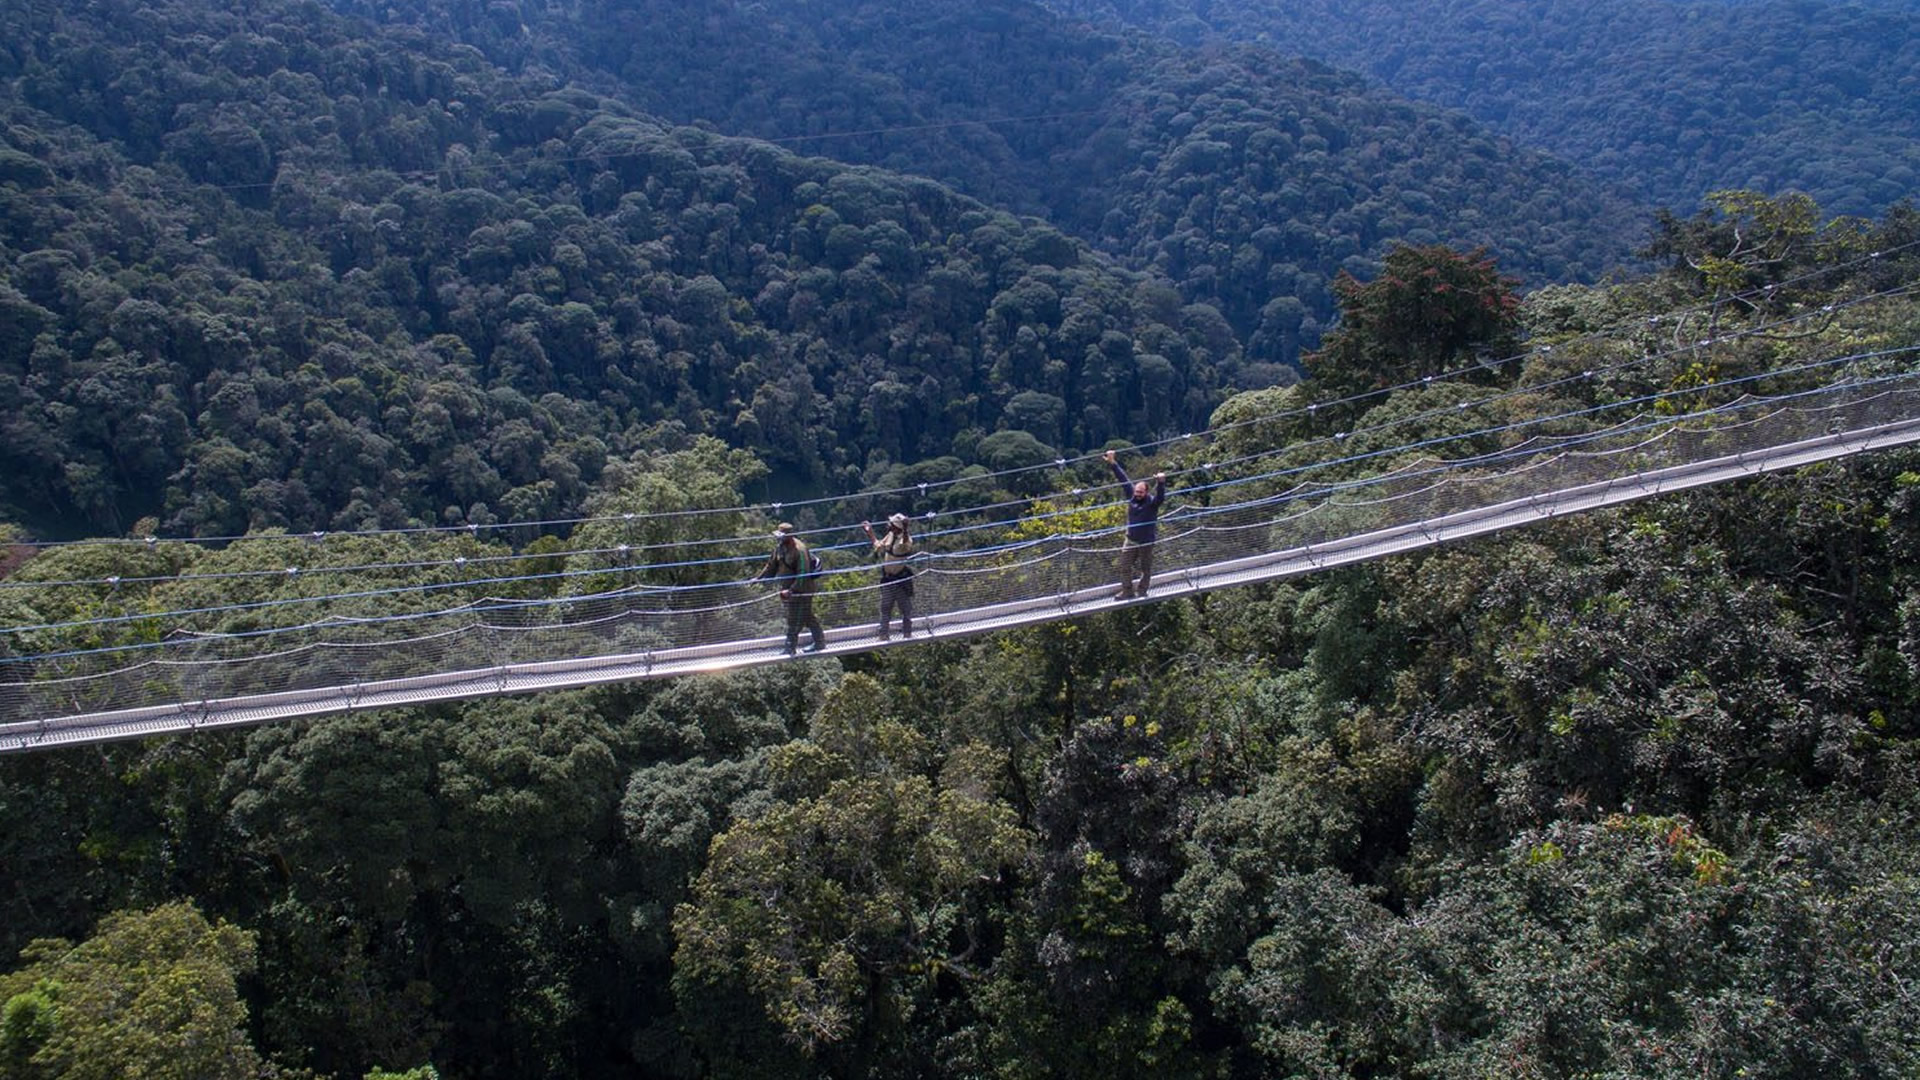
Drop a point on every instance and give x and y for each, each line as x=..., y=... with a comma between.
x=1247, y=176
x=1635, y=793
x=1632, y=794
x=255, y=313
x=1670, y=99
x=278, y=267
x=149, y=994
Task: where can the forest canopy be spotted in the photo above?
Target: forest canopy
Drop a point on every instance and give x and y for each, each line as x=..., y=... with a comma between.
x=1666, y=99
x=287, y=269
x=1628, y=793
x=1644, y=779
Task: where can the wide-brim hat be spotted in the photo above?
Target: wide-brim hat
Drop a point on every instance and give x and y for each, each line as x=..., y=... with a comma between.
x=898, y=521
x=783, y=530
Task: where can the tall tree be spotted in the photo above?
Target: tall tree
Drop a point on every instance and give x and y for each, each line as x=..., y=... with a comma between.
x=1431, y=310
x=150, y=994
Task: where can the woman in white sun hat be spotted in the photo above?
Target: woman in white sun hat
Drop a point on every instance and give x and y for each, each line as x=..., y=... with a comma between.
x=895, y=550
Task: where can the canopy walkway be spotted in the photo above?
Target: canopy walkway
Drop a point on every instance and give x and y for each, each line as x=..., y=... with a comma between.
x=1234, y=532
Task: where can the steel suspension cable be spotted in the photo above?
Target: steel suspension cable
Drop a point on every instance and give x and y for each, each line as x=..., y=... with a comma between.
x=1398, y=450
x=629, y=518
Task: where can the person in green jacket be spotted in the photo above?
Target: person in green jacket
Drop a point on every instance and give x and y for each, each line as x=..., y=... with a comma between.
x=796, y=570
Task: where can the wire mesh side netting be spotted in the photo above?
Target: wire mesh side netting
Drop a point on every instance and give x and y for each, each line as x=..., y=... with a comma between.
x=1217, y=536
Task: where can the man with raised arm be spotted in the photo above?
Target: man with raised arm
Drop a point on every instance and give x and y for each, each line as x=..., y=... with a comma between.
x=1143, y=526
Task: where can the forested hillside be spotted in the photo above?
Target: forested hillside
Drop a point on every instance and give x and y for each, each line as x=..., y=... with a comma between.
x=1668, y=99
x=277, y=268
x=1245, y=175
x=316, y=279
x=1634, y=793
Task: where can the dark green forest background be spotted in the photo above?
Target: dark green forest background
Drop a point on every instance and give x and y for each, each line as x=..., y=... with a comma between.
x=236, y=237
x=1665, y=99
x=1634, y=794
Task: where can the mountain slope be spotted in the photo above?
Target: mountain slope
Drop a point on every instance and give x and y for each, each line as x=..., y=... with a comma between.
x=1245, y=174
x=1670, y=100
x=279, y=269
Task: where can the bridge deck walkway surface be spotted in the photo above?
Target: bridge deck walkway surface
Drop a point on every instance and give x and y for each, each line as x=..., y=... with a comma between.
x=239, y=711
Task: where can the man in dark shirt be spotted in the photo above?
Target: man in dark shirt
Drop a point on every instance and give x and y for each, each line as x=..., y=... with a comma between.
x=791, y=564
x=1143, y=526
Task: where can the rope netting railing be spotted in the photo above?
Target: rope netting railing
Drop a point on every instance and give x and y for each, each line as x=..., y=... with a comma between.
x=1240, y=530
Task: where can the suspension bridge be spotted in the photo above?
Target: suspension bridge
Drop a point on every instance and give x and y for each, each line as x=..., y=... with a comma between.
x=1300, y=496
x=202, y=682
